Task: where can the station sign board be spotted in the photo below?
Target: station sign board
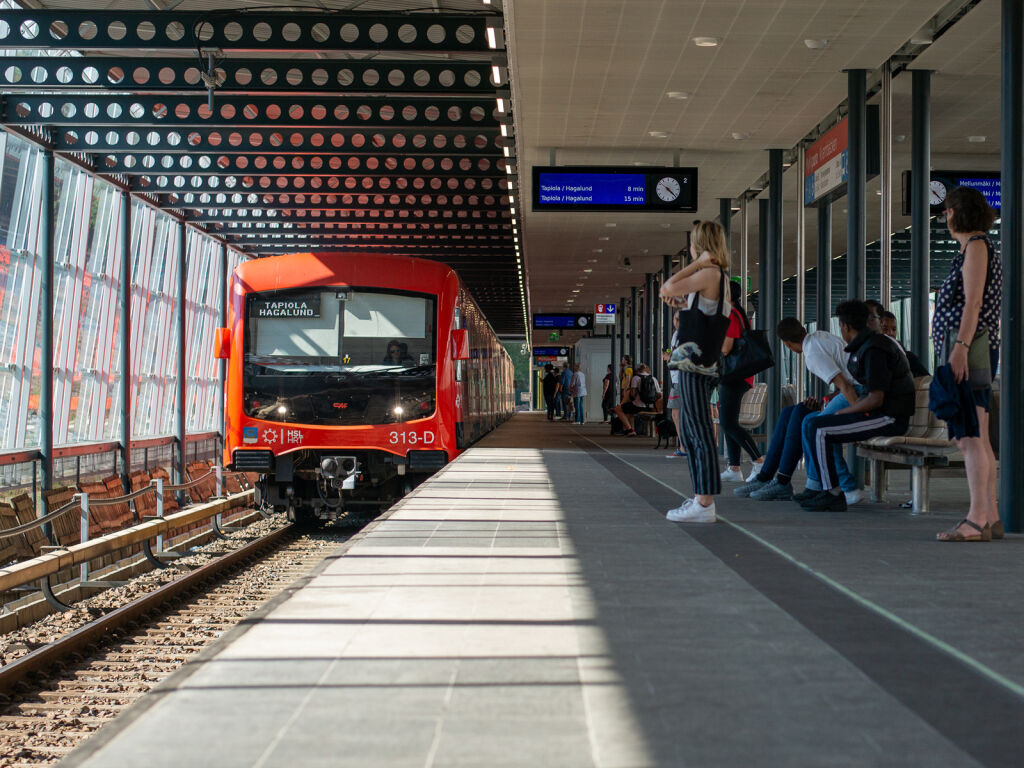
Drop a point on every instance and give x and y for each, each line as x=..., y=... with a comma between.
x=566, y=320
x=614, y=188
x=551, y=352
x=941, y=183
x=604, y=314
x=826, y=161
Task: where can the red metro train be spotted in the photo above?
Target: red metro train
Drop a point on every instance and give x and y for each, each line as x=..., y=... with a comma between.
x=351, y=377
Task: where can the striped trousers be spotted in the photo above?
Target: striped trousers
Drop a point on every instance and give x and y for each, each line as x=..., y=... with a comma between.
x=827, y=432
x=699, y=433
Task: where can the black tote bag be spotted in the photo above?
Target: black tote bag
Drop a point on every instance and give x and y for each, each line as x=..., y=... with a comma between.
x=751, y=354
x=701, y=336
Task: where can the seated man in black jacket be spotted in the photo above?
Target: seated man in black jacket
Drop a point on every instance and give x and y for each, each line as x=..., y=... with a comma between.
x=879, y=364
x=887, y=324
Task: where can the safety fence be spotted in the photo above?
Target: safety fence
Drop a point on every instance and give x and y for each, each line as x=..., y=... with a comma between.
x=91, y=522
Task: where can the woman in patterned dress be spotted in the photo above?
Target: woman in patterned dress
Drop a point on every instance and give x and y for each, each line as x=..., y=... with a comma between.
x=969, y=303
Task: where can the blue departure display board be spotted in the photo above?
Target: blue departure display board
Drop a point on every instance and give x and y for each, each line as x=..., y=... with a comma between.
x=550, y=351
x=581, y=322
x=941, y=183
x=614, y=188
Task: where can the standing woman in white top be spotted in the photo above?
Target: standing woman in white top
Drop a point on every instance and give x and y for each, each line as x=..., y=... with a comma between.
x=700, y=290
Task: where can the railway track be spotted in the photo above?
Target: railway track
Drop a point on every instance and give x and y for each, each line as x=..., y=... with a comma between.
x=59, y=691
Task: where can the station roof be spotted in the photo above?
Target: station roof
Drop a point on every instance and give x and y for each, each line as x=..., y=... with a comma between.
x=358, y=126
x=409, y=140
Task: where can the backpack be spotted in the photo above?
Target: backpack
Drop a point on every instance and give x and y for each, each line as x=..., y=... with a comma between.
x=648, y=389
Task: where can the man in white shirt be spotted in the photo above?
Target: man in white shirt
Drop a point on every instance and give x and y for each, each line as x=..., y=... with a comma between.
x=825, y=357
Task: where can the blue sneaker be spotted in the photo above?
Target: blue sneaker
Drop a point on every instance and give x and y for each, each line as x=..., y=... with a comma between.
x=773, y=491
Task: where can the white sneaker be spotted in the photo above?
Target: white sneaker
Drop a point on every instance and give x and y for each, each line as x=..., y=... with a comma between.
x=755, y=469
x=675, y=515
x=693, y=512
x=854, y=496
x=732, y=476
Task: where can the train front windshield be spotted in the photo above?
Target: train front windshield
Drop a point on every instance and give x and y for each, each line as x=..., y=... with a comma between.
x=340, y=356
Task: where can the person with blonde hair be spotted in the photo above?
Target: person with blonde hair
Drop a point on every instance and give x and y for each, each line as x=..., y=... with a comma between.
x=700, y=292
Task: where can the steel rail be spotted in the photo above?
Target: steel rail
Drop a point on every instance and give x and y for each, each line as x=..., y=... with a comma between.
x=43, y=658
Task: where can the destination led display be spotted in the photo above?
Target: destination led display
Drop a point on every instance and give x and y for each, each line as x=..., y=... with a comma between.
x=580, y=322
x=941, y=183
x=614, y=188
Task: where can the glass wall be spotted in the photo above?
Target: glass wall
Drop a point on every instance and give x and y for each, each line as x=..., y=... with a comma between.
x=87, y=320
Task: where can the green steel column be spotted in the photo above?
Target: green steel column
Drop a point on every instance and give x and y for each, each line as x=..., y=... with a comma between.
x=647, y=332
x=666, y=319
x=620, y=313
x=857, y=175
x=823, y=304
x=632, y=324
x=1011, y=407
x=46, y=301
x=773, y=283
x=182, y=357
x=125, y=329
x=920, y=222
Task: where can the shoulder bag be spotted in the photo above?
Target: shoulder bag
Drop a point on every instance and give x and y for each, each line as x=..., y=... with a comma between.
x=751, y=354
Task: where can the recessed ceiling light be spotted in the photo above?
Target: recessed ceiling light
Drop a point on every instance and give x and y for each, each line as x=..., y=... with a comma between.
x=592, y=261
x=597, y=250
x=604, y=238
x=657, y=134
x=816, y=43
x=610, y=224
x=740, y=136
x=899, y=138
x=665, y=225
x=705, y=42
x=575, y=290
x=678, y=95
x=976, y=139
x=588, y=269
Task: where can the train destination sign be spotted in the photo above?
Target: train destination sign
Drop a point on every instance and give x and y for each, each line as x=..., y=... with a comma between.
x=293, y=306
x=614, y=188
x=569, y=320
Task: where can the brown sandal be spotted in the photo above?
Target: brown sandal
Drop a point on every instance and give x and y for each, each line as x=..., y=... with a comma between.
x=954, y=534
x=997, y=529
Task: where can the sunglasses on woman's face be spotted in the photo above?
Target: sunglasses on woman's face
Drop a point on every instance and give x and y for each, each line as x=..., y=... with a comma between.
x=392, y=351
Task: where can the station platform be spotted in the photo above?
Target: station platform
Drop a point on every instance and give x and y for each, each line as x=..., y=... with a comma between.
x=531, y=606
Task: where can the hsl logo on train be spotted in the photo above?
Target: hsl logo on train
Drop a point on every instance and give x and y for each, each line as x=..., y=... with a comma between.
x=250, y=434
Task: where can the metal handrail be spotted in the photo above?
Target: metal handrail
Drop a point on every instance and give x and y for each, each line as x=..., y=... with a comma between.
x=25, y=455
x=76, y=501
x=40, y=521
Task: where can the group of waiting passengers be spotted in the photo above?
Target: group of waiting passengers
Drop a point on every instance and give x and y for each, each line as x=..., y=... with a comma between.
x=873, y=377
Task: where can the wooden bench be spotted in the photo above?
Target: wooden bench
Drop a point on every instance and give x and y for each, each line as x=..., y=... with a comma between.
x=925, y=450
x=753, y=409
x=644, y=421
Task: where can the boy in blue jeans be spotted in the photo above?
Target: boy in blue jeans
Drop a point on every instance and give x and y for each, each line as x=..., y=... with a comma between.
x=825, y=357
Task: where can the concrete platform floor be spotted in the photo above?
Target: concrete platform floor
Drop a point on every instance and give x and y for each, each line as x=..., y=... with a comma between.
x=530, y=606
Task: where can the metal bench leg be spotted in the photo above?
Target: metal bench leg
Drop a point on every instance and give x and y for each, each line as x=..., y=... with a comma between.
x=879, y=480
x=919, y=489
x=876, y=491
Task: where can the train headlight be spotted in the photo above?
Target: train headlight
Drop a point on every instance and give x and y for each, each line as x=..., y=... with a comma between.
x=282, y=410
x=399, y=410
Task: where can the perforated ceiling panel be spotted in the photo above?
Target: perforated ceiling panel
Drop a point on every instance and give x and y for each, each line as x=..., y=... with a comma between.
x=383, y=130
